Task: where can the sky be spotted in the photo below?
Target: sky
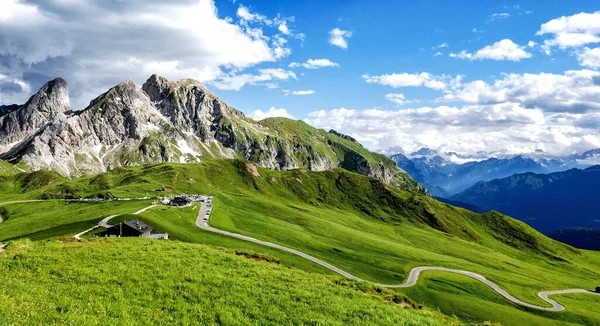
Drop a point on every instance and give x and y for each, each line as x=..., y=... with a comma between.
x=463, y=76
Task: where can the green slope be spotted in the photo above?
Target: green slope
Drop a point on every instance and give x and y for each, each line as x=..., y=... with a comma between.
x=364, y=227
x=143, y=282
x=7, y=169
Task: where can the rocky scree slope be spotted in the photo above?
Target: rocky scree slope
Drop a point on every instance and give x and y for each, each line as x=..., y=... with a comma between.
x=171, y=121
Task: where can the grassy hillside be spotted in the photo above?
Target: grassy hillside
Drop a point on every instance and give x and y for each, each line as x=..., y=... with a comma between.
x=142, y=282
x=49, y=219
x=365, y=227
x=7, y=169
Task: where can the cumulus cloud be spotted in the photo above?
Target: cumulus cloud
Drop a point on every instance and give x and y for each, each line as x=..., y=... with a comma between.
x=338, y=37
x=270, y=113
x=95, y=45
x=244, y=14
x=502, y=50
x=412, y=80
x=283, y=28
x=507, y=127
x=575, y=91
x=315, y=64
x=589, y=58
x=571, y=31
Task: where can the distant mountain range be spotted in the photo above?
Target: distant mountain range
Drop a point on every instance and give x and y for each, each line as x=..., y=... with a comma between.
x=578, y=237
x=445, y=174
x=547, y=202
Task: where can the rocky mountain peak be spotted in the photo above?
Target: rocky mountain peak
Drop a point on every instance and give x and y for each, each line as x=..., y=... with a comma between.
x=156, y=87
x=171, y=121
x=52, y=99
x=19, y=123
x=188, y=104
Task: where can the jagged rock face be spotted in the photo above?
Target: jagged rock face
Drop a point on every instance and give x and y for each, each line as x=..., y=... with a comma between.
x=191, y=107
x=6, y=109
x=168, y=121
x=19, y=123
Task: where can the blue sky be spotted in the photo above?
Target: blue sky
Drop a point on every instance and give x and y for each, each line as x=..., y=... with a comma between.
x=510, y=77
x=398, y=36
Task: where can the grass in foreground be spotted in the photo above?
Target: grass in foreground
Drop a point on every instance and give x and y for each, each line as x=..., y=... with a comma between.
x=142, y=282
x=366, y=228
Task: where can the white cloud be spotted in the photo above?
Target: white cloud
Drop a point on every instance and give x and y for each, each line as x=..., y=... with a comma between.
x=270, y=113
x=338, y=37
x=589, y=58
x=437, y=54
x=499, y=15
x=571, y=31
x=244, y=14
x=501, y=50
x=506, y=127
x=440, y=46
x=315, y=64
x=236, y=82
x=531, y=44
x=283, y=28
x=279, y=47
x=411, y=80
x=307, y=92
x=95, y=45
x=575, y=91
x=397, y=98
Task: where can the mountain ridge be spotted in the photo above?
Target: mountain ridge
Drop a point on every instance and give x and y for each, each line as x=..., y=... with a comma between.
x=446, y=174
x=172, y=121
x=541, y=199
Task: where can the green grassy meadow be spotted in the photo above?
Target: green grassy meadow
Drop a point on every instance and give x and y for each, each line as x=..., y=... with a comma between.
x=141, y=282
x=367, y=228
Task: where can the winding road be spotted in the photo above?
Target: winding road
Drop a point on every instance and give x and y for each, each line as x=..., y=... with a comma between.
x=412, y=277
x=104, y=222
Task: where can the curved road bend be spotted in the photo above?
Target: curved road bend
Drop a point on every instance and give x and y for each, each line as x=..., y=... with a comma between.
x=412, y=277
x=104, y=222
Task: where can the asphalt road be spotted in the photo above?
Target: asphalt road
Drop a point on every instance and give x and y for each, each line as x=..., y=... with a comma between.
x=104, y=222
x=412, y=277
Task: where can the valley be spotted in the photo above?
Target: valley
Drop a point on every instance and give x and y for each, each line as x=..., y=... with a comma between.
x=352, y=230
x=252, y=162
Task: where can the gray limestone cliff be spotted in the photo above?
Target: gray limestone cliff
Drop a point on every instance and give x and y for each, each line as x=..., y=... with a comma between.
x=171, y=121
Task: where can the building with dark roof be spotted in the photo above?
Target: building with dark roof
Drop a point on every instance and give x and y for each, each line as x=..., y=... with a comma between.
x=180, y=201
x=133, y=228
